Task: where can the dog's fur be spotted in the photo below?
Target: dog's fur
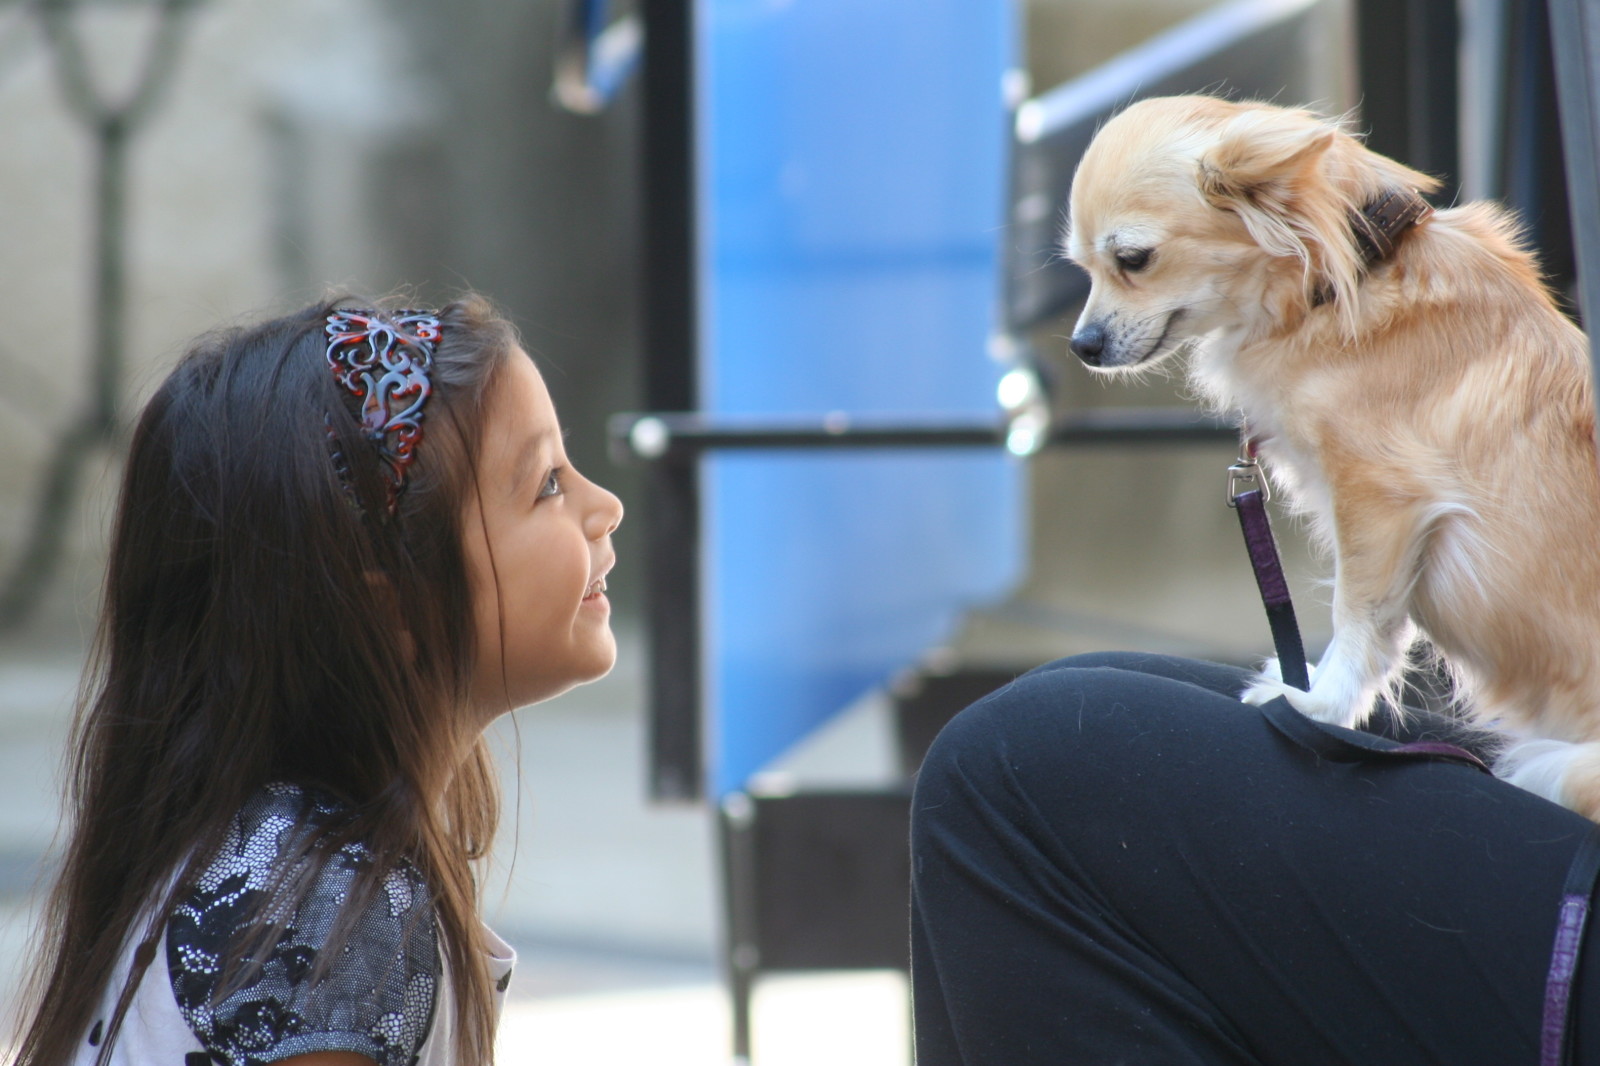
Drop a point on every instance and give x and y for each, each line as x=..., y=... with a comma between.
x=1431, y=414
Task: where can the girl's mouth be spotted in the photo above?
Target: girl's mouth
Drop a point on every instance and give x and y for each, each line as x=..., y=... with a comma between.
x=597, y=588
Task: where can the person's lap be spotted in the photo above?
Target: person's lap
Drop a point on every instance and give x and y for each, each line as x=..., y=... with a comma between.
x=1115, y=860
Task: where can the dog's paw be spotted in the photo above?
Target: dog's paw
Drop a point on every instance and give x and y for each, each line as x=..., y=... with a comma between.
x=1269, y=684
x=1272, y=670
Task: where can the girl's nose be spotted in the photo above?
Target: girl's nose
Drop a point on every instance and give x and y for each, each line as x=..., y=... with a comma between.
x=605, y=516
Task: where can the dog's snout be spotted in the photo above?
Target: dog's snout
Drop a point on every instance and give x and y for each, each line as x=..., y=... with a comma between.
x=1089, y=342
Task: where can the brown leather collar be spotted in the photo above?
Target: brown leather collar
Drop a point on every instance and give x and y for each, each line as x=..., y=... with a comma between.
x=1378, y=226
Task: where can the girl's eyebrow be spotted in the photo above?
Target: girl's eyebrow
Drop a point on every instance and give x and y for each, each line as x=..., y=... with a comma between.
x=522, y=467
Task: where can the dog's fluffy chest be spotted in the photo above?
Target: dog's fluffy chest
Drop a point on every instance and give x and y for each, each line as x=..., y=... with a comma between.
x=1296, y=472
x=1293, y=466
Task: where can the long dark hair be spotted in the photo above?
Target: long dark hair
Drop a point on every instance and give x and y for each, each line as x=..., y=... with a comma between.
x=259, y=625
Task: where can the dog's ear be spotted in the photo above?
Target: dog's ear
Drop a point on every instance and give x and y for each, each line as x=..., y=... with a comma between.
x=1261, y=156
x=1266, y=167
x=1294, y=179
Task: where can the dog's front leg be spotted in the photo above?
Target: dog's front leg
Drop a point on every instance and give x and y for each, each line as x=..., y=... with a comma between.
x=1377, y=553
x=1360, y=660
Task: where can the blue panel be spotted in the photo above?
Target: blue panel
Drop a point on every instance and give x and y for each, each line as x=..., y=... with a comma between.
x=852, y=196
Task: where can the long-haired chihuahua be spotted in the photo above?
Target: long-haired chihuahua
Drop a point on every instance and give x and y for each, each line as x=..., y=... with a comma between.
x=1411, y=385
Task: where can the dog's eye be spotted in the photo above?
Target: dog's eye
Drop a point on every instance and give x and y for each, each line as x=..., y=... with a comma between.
x=1133, y=260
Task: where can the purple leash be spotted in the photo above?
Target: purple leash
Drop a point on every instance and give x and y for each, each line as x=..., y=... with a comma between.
x=1555, y=1036
x=1248, y=494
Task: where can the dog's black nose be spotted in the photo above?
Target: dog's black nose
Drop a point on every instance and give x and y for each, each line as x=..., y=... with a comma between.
x=1088, y=343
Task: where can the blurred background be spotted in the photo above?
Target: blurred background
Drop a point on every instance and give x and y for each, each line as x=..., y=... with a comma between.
x=173, y=166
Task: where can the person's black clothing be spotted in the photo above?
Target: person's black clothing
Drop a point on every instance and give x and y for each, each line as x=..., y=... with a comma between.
x=1115, y=861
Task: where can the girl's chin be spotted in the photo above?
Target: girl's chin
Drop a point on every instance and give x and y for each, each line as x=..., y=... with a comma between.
x=589, y=656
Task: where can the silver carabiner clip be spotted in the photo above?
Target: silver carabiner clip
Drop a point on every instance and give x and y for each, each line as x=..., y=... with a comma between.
x=1246, y=476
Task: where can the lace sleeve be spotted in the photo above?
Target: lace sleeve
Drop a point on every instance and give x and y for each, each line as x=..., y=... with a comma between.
x=376, y=998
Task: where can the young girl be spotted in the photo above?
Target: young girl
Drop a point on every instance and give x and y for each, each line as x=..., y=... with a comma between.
x=347, y=540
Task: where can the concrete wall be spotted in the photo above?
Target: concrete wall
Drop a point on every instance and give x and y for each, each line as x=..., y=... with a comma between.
x=308, y=145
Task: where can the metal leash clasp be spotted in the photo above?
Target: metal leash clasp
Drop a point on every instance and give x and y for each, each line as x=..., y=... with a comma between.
x=1245, y=476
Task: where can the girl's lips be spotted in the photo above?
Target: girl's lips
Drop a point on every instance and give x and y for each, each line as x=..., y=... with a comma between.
x=595, y=591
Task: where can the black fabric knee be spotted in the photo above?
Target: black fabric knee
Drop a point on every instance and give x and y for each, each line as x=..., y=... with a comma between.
x=1116, y=861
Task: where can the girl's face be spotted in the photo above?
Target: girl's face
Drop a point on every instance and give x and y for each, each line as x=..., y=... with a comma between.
x=537, y=536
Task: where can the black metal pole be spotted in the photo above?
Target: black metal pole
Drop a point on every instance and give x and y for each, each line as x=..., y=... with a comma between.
x=671, y=492
x=1575, y=40
x=673, y=438
x=1533, y=174
x=1409, y=71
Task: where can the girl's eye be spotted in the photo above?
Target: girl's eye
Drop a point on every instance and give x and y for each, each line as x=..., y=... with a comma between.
x=552, y=484
x=1134, y=259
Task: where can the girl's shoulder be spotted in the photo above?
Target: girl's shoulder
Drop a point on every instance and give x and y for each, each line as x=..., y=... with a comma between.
x=343, y=957
x=266, y=844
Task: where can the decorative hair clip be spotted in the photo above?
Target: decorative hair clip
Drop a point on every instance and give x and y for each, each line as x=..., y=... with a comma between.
x=384, y=360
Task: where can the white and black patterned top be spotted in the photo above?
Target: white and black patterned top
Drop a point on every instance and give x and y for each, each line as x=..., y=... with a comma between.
x=381, y=997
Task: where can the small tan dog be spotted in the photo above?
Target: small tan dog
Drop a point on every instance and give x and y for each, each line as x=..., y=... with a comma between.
x=1411, y=386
